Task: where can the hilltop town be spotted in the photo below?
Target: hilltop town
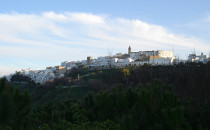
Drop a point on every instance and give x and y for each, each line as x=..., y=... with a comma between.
x=119, y=60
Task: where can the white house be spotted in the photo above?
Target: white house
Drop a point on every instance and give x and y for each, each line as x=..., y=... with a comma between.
x=157, y=60
x=123, y=62
x=197, y=58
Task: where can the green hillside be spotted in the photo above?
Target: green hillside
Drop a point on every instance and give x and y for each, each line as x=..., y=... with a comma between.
x=146, y=97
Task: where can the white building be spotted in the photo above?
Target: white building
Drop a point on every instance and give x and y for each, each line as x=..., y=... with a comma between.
x=69, y=64
x=197, y=58
x=39, y=76
x=166, y=54
x=123, y=62
x=157, y=60
x=65, y=63
x=145, y=55
x=105, y=61
x=135, y=55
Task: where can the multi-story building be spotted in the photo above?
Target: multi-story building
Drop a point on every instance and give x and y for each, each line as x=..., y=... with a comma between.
x=158, y=57
x=197, y=58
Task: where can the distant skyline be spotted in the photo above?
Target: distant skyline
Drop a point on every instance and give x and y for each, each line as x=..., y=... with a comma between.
x=38, y=34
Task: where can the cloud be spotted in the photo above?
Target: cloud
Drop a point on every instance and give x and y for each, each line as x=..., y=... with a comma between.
x=53, y=16
x=83, y=18
x=86, y=18
x=53, y=37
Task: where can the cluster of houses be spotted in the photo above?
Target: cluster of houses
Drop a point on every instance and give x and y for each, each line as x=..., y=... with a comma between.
x=42, y=76
x=119, y=60
x=122, y=60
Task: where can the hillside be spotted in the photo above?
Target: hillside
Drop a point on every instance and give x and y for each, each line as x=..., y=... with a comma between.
x=117, y=98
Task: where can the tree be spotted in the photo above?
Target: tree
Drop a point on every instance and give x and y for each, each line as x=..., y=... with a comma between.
x=14, y=106
x=6, y=109
x=149, y=107
x=109, y=54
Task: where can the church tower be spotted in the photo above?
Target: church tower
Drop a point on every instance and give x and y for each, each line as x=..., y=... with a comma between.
x=129, y=49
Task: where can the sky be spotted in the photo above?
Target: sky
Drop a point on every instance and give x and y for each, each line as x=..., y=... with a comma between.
x=40, y=33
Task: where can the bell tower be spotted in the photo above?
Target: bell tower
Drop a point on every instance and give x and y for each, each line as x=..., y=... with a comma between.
x=129, y=49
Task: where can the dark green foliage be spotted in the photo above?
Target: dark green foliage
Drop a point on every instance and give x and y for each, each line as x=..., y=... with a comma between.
x=5, y=108
x=150, y=107
x=14, y=107
x=2, y=84
x=41, y=95
x=21, y=78
x=67, y=115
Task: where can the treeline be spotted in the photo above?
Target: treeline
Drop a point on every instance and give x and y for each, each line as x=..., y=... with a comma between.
x=153, y=106
x=123, y=99
x=144, y=107
x=17, y=77
x=148, y=107
x=189, y=80
x=190, y=83
x=14, y=107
